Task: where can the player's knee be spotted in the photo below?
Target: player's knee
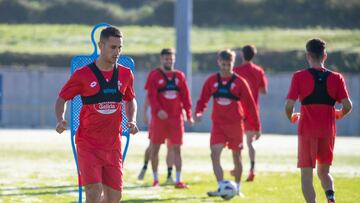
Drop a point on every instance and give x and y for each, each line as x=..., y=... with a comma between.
x=176, y=150
x=322, y=173
x=214, y=156
x=93, y=193
x=323, y=169
x=113, y=199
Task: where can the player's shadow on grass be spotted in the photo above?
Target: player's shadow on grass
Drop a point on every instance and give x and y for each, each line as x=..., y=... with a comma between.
x=171, y=199
x=166, y=199
x=34, y=191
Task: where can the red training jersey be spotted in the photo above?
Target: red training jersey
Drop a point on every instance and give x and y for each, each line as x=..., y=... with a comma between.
x=172, y=102
x=226, y=111
x=317, y=120
x=254, y=76
x=100, y=124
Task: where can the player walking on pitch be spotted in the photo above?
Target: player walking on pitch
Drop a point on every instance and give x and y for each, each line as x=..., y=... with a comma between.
x=229, y=91
x=103, y=86
x=168, y=94
x=318, y=89
x=256, y=79
x=169, y=154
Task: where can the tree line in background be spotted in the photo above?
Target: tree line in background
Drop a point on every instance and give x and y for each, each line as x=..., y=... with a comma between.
x=280, y=13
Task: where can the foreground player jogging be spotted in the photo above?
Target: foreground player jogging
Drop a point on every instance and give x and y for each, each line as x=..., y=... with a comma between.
x=229, y=92
x=168, y=94
x=318, y=89
x=102, y=86
x=256, y=79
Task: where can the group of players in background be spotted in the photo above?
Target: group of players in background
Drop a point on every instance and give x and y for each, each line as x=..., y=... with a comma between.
x=235, y=112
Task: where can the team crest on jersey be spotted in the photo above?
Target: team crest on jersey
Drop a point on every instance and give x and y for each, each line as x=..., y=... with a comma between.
x=107, y=107
x=119, y=84
x=171, y=94
x=223, y=101
x=93, y=84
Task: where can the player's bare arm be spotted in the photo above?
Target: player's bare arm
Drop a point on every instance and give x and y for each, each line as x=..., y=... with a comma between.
x=198, y=117
x=130, y=110
x=346, y=108
x=191, y=122
x=263, y=90
x=60, y=107
x=145, y=109
x=289, y=110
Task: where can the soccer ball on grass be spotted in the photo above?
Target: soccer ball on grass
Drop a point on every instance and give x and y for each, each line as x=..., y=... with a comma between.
x=227, y=189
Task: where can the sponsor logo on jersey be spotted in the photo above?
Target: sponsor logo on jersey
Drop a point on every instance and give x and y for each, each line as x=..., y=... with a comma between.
x=93, y=84
x=223, y=101
x=109, y=91
x=171, y=94
x=107, y=107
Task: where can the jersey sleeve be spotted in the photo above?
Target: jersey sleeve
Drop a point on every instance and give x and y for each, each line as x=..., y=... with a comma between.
x=185, y=96
x=249, y=106
x=153, y=93
x=72, y=87
x=146, y=86
x=293, y=93
x=205, y=96
x=342, y=92
x=263, y=79
x=129, y=91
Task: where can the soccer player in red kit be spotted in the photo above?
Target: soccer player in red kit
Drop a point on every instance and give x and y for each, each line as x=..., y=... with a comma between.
x=256, y=79
x=102, y=85
x=318, y=89
x=231, y=94
x=168, y=95
x=169, y=154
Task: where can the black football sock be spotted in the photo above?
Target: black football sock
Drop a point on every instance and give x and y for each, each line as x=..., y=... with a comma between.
x=252, y=165
x=330, y=195
x=169, y=174
x=145, y=165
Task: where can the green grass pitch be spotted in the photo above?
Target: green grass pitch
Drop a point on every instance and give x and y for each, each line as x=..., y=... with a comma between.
x=37, y=166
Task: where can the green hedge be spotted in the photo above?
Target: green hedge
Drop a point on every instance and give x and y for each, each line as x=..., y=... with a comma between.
x=272, y=61
x=281, y=13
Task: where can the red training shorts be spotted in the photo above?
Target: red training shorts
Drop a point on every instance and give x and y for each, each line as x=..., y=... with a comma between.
x=100, y=166
x=231, y=135
x=171, y=129
x=311, y=149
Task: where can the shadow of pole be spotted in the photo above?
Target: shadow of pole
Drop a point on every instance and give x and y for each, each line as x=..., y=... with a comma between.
x=35, y=191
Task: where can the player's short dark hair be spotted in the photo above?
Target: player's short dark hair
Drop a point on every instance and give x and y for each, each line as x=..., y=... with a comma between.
x=110, y=32
x=227, y=55
x=316, y=48
x=167, y=51
x=249, y=52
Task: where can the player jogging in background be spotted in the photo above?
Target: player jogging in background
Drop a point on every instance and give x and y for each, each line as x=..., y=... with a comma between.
x=169, y=154
x=318, y=89
x=168, y=95
x=230, y=92
x=256, y=79
x=103, y=85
